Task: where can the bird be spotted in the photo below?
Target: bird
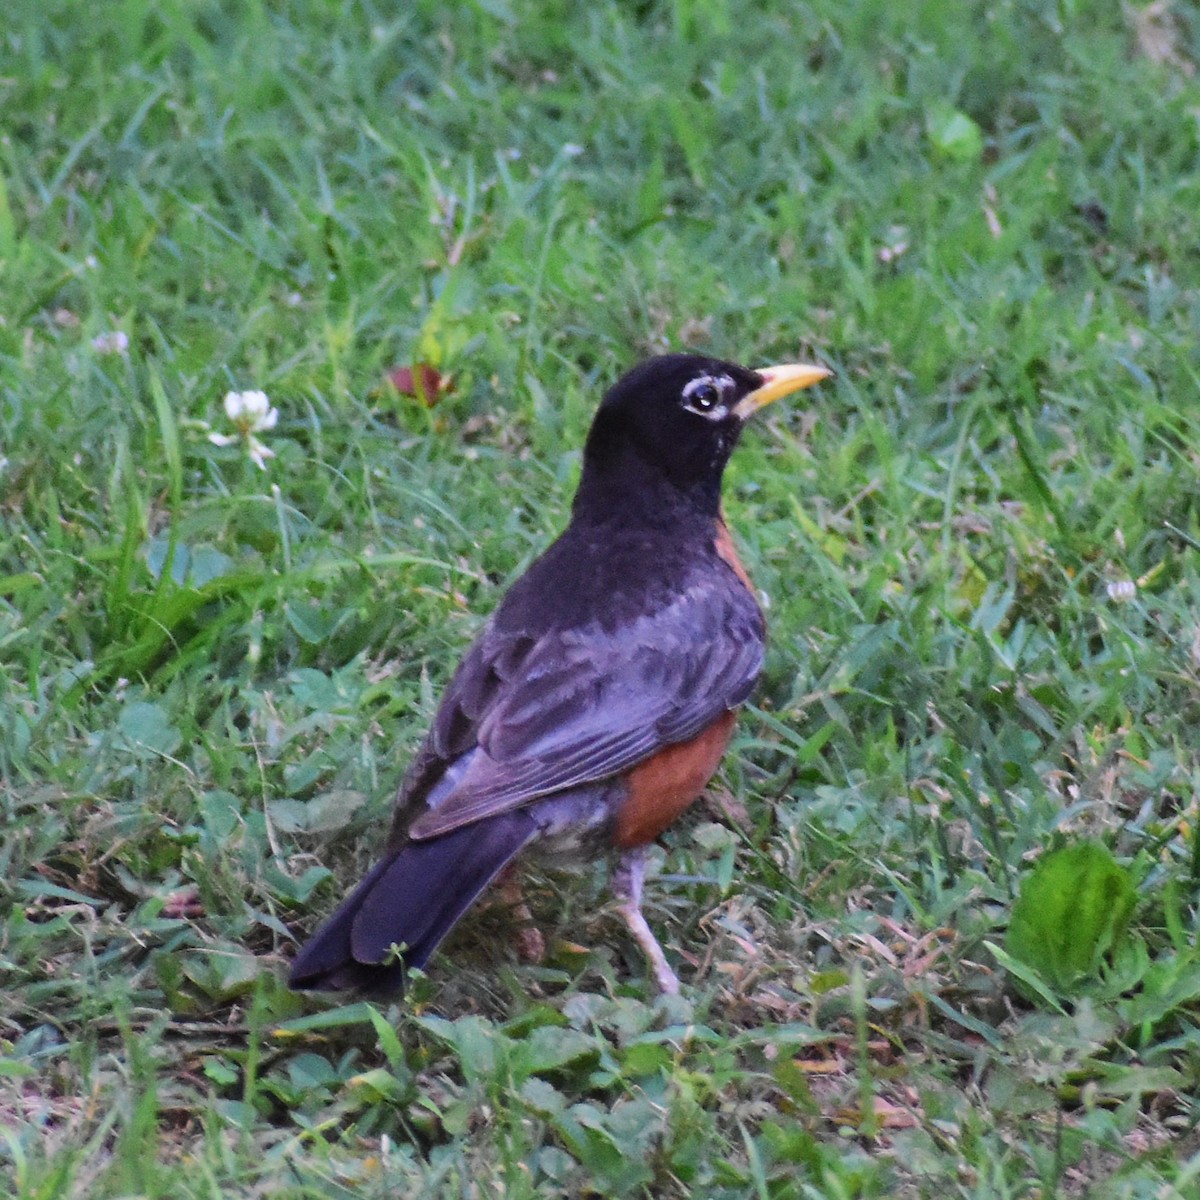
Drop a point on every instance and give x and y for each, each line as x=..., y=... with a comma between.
x=597, y=701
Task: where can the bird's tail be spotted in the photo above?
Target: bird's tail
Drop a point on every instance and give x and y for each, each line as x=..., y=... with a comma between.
x=411, y=899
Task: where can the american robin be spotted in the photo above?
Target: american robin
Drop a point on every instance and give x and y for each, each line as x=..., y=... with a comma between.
x=600, y=696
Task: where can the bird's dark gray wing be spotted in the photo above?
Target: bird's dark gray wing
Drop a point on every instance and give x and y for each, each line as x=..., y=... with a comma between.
x=527, y=716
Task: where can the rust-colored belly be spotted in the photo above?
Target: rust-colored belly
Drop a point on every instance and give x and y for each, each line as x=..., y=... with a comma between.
x=663, y=786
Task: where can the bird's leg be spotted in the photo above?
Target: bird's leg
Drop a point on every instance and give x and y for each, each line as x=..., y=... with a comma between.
x=626, y=886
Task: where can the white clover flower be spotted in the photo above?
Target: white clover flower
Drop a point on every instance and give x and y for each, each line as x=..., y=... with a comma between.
x=113, y=341
x=1121, y=591
x=251, y=413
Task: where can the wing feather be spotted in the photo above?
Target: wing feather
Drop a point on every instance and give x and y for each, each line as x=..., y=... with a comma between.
x=525, y=717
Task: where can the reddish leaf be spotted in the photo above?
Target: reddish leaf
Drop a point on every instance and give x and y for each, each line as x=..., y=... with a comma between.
x=421, y=380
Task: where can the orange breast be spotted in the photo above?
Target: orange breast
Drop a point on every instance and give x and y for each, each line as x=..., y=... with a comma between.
x=664, y=785
x=727, y=553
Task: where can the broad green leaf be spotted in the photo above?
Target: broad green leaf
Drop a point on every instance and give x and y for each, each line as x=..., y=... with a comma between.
x=145, y=726
x=548, y=1048
x=955, y=135
x=1072, y=909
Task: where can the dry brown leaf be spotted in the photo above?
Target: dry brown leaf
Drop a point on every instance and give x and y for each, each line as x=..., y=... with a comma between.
x=887, y=1115
x=821, y=1066
x=725, y=804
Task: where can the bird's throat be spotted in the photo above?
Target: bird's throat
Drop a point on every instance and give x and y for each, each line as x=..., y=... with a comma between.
x=619, y=482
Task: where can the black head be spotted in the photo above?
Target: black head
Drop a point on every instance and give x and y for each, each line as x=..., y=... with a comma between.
x=676, y=419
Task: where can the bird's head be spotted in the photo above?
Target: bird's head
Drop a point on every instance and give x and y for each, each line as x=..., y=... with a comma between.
x=679, y=417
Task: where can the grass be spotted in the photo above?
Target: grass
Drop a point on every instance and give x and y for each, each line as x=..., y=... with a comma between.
x=979, y=546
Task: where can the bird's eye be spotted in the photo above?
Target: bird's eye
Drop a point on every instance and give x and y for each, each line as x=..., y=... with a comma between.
x=703, y=396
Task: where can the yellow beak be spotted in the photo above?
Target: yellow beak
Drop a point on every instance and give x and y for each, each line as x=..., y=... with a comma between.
x=778, y=382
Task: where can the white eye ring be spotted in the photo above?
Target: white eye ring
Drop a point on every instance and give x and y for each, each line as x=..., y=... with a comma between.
x=705, y=395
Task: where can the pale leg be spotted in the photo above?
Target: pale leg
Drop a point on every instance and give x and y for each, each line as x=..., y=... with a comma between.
x=626, y=886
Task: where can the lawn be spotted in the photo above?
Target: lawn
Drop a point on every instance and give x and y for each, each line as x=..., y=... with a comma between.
x=977, y=546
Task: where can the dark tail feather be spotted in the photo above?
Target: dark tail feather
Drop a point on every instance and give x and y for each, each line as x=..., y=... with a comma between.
x=413, y=898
